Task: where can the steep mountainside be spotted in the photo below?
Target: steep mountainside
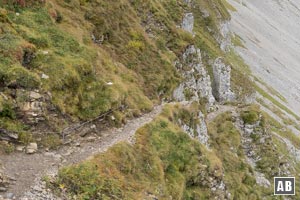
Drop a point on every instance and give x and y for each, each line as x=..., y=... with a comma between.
x=71, y=69
x=70, y=61
x=270, y=30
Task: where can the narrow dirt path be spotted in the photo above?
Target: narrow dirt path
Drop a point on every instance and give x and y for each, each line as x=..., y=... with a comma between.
x=28, y=170
x=221, y=109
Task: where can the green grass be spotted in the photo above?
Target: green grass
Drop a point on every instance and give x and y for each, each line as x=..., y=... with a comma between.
x=77, y=72
x=240, y=76
x=139, y=66
x=226, y=142
x=251, y=114
x=250, y=117
x=164, y=162
x=275, y=102
x=282, y=131
x=237, y=41
x=229, y=6
x=271, y=90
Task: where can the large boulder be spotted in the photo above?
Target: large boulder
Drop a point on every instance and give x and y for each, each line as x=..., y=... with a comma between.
x=222, y=86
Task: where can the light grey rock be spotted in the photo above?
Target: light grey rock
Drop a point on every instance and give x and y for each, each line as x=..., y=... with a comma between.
x=20, y=148
x=261, y=180
x=35, y=95
x=188, y=22
x=222, y=86
x=178, y=93
x=196, y=82
x=272, y=46
x=200, y=132
x=45, y=76
x=31, y=148
x=249, y=128
x=10, y=196
x=205, y=13
x=77, y=144
x=250, y=99
x=93, y=126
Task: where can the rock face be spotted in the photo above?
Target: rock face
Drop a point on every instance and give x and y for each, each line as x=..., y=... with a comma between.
x=202, y=130
x=196, y=82
x=199, y=131
x=254, y=139
x=247, y=131
x=33, y=105
x=188, y=22
x=222, y=75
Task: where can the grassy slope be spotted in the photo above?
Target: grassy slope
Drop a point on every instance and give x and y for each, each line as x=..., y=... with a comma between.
x=164, y=162
x=139, y=43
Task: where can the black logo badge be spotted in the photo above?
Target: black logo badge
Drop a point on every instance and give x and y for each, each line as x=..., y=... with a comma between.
x=284, y=185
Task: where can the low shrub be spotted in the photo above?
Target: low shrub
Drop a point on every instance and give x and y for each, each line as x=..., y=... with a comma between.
x=250, y=117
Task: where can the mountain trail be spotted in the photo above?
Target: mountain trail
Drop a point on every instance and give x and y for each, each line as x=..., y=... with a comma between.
x=27, y=171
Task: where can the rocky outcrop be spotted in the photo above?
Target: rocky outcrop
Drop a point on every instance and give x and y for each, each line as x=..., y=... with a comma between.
x=255, y=140
x=31, y=105
x=247, y=131
x=201, y=128
x=8, y=135
x=199, y=131
x=188, y=22
x=222, y=86
x=196, y=84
